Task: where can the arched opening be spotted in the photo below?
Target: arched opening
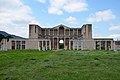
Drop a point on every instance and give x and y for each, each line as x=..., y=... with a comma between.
x=61, y=44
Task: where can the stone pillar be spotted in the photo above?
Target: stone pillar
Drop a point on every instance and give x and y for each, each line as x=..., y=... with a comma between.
x=105, y=45
x=15, y=44
x=10, y=45
x=53, y=42
x=20, y=45
x=58, y=31
x=42, y=45
x=57, y=43
x=77, y=44
x=53, y=31
x=50, y=45
x=39, y=45
x=82, y=45
x=73, y=45
x=49, y=31
x=73, y=32
x=46, y=44
x=64, y=44
x=112, y=45
x=100, y=45
x=69, y=45
x=69, y=32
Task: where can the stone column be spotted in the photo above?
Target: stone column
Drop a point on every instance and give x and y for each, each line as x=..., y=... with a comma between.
x=105, y=45
x=10, y=45
x=58, y=32
x=69, y=41
x=42, y=45
x=77, y=45
x=45, y=31
x=64, y=44
x=73, y=45
x=20, y=45
x=112, y=45
x=53, y=31
x=100, y=45
x=82, y=45
x=69, y=45
x=39, y=45
x=57, y=43
x=15, y=44
x=49, y=31
x=69, y=32
x=46, y=44
x=53, y=42
x=77, y=32
x=50, y=44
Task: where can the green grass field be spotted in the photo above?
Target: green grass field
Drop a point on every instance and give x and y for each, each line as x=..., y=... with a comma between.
x=59, y=65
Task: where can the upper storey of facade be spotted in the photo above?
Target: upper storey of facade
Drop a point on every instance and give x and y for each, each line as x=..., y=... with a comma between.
x=61, y=31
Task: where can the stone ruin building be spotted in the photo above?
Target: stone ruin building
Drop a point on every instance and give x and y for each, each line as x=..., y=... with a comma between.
x=51, y=38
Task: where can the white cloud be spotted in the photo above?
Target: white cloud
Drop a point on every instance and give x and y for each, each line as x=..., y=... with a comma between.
x=114, y=28
x=75, y=7
x=54, y=10
x=57, y=3
x=71, y=20
x=42, y=1
x=105, y=15
x=116, y=36
x=15, y=17
x=68, y=5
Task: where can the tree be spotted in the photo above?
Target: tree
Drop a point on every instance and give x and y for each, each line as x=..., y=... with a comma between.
x=3, y=37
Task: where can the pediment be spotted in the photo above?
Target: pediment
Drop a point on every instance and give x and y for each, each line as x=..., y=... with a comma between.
x=61, y=25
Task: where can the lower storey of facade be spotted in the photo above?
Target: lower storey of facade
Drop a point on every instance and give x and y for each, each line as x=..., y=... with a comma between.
x=59, y=43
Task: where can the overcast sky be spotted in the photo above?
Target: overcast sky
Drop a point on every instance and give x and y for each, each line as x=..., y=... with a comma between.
x=104, y=15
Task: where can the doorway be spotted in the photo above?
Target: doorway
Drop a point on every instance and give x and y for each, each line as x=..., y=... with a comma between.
x=61, y=44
